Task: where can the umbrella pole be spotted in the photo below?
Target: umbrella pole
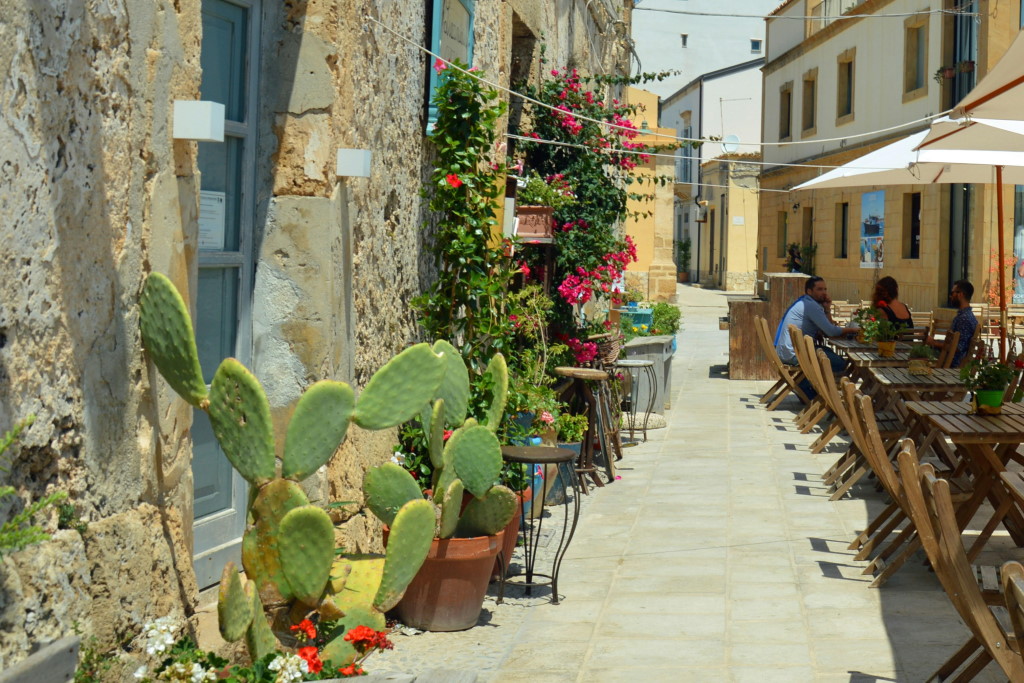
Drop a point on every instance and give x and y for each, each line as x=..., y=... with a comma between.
x=1002, y=268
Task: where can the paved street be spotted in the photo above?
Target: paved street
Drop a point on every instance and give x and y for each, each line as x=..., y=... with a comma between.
x=716, y=557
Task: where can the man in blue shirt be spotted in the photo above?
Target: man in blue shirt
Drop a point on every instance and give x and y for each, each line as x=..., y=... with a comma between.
x=964, y=322
x=808, y=314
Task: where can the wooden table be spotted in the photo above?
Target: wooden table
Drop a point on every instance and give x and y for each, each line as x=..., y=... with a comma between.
x=943, y=384
x=844, y=344
x=863, y=358
x=984, y=443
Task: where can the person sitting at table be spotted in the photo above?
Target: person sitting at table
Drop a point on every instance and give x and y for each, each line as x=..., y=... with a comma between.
x=886, y=298
x=808, y=314
x=964, y=322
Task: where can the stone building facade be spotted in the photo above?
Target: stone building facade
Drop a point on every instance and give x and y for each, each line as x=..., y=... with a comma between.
x=301, y=274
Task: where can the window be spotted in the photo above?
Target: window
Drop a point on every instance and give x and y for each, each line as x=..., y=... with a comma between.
x=912, y=225
x=915, y=58
x=755, y=46
x=682, y=38
x=842, y=229
x=780, y=247
x=687, y=162
x=786, y=111
x=809, y=104
x=844, y=87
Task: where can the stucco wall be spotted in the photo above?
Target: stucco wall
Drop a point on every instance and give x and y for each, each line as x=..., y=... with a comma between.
x=96, y=195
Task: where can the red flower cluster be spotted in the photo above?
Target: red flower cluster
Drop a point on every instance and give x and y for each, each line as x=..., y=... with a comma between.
x=364, y=639
x=312, y=657
x=572, y=225
x=351, y=670
x=305, y=630
x=584, y=351
x=453, y=180
x=575, y=290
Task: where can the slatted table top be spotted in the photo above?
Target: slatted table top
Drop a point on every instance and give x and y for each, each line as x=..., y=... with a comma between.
x=864, y=358
x=956, y=421
x=843, y=344
x=900, y=378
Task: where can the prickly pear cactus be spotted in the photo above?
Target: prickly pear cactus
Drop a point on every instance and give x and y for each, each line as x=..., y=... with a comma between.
x=288, y=547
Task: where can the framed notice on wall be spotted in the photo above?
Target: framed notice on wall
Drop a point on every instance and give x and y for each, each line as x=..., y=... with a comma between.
x=451, y=37
x=872, y=229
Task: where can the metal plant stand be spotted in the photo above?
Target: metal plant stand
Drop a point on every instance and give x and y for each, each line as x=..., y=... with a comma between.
x=531, y=529
x=636, y=370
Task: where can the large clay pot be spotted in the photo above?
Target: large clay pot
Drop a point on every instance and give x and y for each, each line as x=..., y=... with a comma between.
x=534, y=221
x=448, y=591
x=511, y=533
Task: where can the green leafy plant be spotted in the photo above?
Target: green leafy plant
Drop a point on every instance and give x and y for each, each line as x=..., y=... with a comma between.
x=666, y=318
x=288, y=546
x=552, y=191
x=922, y=351
x=683, y=253
x=18, y=532
x=571, y=428
x=879, y=328
x=989, y=374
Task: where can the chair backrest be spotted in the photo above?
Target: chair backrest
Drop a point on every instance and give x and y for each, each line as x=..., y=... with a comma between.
x=930, y=506
x=948, y=350
x=807, y=365
x=873, y=447
x=765, y=338
x=977, y=339
x=1013, y=595
x=941, y=320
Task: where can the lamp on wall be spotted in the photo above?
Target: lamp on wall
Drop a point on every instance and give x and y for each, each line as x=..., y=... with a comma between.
x=198, y=120
x=353, y=163
x=796, y=207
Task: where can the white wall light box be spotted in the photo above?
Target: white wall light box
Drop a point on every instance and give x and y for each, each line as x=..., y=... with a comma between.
x=198, y=120
x=353, y=163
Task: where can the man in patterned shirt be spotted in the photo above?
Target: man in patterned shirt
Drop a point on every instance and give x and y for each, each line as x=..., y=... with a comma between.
x=964, y=322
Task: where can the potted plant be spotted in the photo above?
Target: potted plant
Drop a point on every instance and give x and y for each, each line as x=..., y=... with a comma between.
x=922, y=358
x=944, y=73
x=683, y=251
x=536, y=203
x=879, y=329
x=987, y=378
x=447, y=592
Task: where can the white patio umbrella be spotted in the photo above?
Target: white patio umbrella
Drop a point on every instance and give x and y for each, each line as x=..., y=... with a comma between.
x=899, y=164
x=1000, y=95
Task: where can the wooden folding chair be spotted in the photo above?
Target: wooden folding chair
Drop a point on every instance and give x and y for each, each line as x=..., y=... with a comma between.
x=815, y=411
x=930, y=505
x=945, y=358
x=790, y=376
x=941, y=320
x=816, y=374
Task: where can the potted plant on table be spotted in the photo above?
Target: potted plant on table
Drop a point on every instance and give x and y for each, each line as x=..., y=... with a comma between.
x=987, y=378
x=536, y=203
x=922, y=358
x=882, y=331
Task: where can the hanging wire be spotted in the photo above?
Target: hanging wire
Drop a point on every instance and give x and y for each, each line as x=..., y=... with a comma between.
x=527, y=98
x=834, y=17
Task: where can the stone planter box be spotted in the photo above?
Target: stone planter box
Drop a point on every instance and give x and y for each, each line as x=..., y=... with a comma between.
x=660, y=349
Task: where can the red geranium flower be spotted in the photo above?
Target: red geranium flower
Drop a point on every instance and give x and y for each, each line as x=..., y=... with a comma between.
x=312, y=657
x=453, y=180
x=307, y=629
x=351, y=670
x=439, y=65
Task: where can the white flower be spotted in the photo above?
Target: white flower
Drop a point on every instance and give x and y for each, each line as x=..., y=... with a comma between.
x=159, y=635
x=398, y=458
x=289, y=668
x=140, y=673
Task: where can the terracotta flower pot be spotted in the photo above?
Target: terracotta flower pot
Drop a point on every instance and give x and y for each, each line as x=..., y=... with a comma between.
x=534, y=221
x=511, y=533
x=448, y=591
x=886, y=349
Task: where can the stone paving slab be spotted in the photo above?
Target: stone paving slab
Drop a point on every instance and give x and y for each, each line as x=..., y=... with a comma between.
x=716, y=557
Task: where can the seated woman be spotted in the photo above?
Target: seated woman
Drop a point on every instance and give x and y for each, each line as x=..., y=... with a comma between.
x=886, y=299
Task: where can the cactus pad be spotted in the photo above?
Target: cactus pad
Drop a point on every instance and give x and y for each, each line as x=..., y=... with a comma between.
x=408, y=545
x=240, y=416
x=306, y=546
x=340, y=652
x=488, y=515
x=451, y=508
x=476, y=454
x=454, y=387
x=259, y=639
x=387, y=488
x=317, y=428
x=362, y=574
x=399, y=390
x=261, y=554
x=499, y=373
x=234, y=605
x=436, y=443
x=168, y=337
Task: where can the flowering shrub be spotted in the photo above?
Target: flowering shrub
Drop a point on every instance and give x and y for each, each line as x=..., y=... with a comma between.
x=989, y=374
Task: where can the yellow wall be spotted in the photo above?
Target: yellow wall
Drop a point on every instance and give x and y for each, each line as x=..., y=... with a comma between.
x=736, y=244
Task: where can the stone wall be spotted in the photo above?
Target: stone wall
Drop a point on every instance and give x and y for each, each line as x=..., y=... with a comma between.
x=97, y=195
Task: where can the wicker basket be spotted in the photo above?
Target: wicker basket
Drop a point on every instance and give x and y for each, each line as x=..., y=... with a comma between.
x=919, y=366
x=608, y=350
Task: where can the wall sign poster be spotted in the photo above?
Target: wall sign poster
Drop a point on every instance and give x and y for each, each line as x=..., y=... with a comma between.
x=1018, y=245
x=872, y=229
x=452, y=38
